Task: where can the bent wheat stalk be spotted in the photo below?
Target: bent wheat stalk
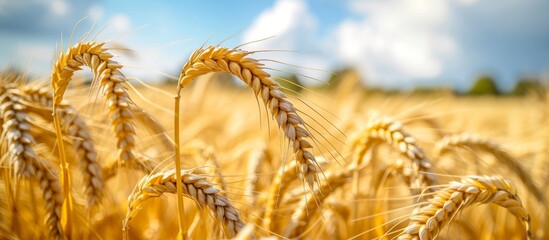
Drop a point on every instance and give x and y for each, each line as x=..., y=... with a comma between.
x=448, y=202
x=466, y=140
x=195, y=187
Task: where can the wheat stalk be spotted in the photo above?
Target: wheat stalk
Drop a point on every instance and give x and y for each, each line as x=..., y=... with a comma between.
x=448, y=202
x=195, y=187
x=466, y=140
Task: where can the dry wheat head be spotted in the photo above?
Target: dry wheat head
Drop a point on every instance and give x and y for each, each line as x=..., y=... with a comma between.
x=428, y=221
x=236, y=62
x=195, y=187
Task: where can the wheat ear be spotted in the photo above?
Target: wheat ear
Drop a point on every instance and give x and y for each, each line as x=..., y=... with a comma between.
x=285, y=175
x=255, y=161
x=236, y=62
x=308, y=206
x=392, y=132
x=53, y=196
x=387, y=130
x=82, y=141
x=337, y=213
x=466, y=140
x=214, y=168
x=195, y=187
x=281, y=182
x=111, y=81
x=448, y=202
x=15, y=129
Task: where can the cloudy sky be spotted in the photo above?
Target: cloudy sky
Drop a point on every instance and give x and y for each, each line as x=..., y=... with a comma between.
x=393, y=43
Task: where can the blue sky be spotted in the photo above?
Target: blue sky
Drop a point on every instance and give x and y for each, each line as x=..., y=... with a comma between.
x=394, y=43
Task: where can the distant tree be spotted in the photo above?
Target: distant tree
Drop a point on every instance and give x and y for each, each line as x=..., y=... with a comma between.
x=528, y=85
x=484, y=85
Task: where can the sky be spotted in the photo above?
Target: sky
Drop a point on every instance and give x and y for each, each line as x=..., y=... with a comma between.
x=392, y=43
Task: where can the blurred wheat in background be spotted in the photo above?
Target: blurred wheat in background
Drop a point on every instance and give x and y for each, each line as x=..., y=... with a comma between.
x=242, y=146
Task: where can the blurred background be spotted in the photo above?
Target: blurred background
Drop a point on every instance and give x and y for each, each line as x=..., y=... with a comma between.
x=463, y=46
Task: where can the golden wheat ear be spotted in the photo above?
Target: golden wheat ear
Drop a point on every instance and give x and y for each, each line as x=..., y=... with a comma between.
x=448, y=202
x=25, y=161
x=476, y=142
x=111, y=81
x=309, y=205
x=250, y=71
x=387, y=130
x=282, y=180
x=77, y=129
x=195, y=187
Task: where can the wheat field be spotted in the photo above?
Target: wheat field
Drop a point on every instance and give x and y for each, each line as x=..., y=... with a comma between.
x=228, y=152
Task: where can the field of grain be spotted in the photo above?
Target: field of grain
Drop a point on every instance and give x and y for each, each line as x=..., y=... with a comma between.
x=251, y=160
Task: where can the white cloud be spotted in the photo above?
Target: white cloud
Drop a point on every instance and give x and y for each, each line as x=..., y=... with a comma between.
x=288, y=20
x=96, y=12
x=42, y=17
x=395, y=40
x=294, y=28
x=120, y=22
x=59, y=7
x=390, y=40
